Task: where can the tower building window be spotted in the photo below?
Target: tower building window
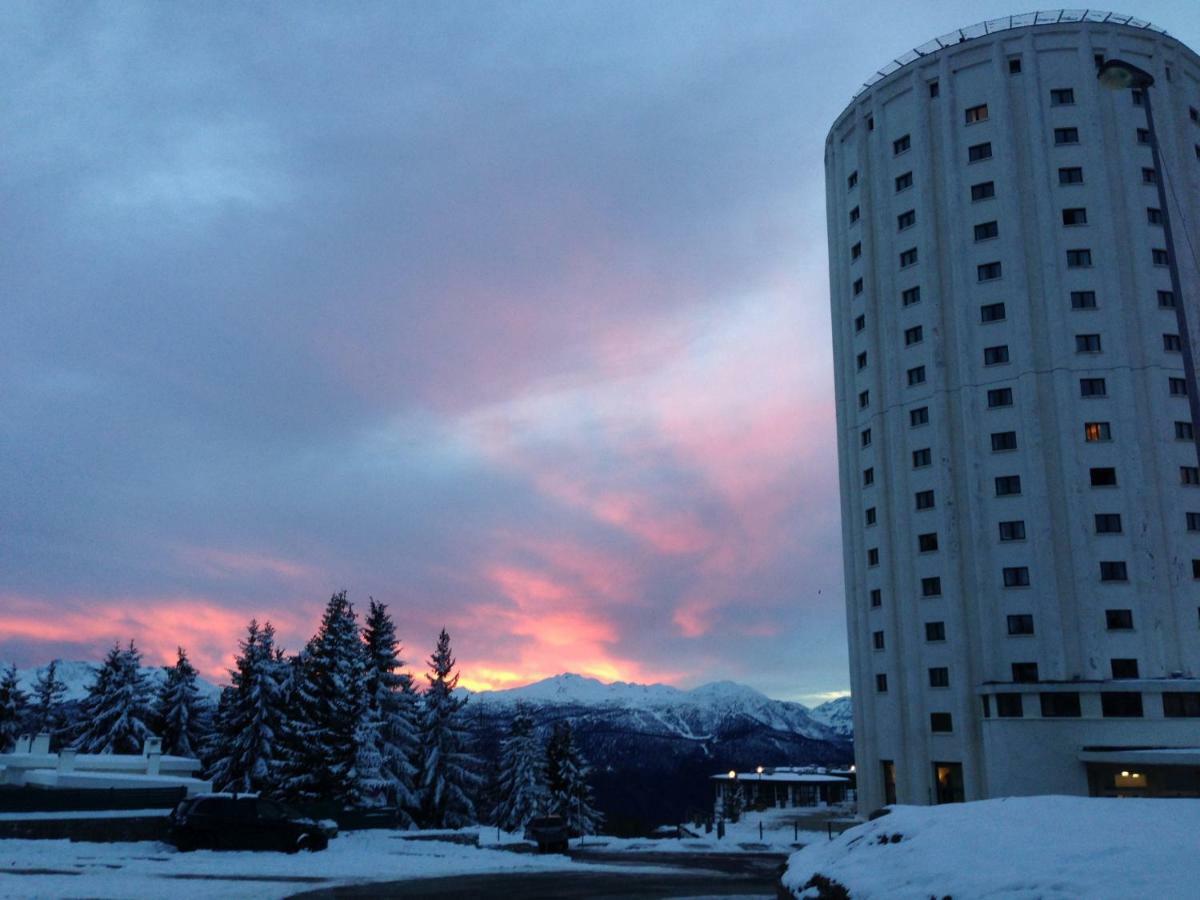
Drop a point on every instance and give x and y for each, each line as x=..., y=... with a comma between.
x=1118, y=619
x=998, y=397
x=995, y=356
x=941, y=722
x=1020, y=624
x=1013, y=530
x=985, y=231
x=985, y=190
x=991, y=312
x=979, y=152
x=1016, y=576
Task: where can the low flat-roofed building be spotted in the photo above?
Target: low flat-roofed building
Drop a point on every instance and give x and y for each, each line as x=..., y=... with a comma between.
x=783, y=787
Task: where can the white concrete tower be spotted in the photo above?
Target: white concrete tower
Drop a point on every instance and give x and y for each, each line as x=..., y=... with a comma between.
x=1020, y=498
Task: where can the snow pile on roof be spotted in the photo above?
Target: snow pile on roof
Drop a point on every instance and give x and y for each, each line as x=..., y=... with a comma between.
x=1053, y=848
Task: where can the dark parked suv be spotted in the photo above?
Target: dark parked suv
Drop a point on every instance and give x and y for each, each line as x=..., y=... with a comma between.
x=244, y=822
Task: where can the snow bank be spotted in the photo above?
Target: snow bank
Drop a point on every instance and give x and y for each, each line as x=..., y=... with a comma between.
x=1053, y=848
x=152, y=870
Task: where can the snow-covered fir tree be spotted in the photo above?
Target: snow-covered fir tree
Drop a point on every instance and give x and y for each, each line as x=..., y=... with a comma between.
x=181, y=711
x=243, y=752
x=328, y=738
x=46, y=714
x=566, y=780
x=447, y=770
x=522, y=776
x=116, y=714
x=13, y=708
x=392, y=711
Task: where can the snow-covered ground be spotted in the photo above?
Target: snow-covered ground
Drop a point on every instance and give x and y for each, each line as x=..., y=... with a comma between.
x=152, y=870
x=1051, y=848
x=54, y=869
x=779, y=835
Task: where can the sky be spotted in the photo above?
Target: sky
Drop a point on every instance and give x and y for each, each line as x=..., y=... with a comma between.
x=512, y=316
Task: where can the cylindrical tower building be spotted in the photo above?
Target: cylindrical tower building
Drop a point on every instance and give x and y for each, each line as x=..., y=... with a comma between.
x=1020, y=493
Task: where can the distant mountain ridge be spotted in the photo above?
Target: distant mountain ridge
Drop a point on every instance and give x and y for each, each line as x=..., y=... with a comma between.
x=697, y=713
x=654, y=748
x=838, y=714
x=79, y=676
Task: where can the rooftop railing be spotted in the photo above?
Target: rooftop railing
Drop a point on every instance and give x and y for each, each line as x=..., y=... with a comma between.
x=1006, y=23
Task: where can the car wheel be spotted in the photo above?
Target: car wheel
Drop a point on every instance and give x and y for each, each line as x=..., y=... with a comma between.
x=304, y=842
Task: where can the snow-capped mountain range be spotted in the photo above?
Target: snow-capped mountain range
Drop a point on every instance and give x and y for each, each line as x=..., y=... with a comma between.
x=838, y=714
x=698, y=713
x=695, y=713
x=78, y=676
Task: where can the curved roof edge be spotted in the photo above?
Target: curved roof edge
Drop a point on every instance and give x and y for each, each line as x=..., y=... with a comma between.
x=1006, y=23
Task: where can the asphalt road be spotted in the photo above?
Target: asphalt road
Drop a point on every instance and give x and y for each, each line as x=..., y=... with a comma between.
x=699, y=875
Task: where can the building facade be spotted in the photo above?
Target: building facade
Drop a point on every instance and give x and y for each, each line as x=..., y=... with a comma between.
x=1019, y=482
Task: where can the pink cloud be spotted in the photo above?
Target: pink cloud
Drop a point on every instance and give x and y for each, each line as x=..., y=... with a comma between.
x=207, y=630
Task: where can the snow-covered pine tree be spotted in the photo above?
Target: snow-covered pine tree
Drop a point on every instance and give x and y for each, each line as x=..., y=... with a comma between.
x=391, y=707
x=447, y=770
x=13, y=708
x=118, y=709
x=46, y=715
x=327, y=728
x=566, y=780
x=522, y=777
x=181, y=711
x=243, y=752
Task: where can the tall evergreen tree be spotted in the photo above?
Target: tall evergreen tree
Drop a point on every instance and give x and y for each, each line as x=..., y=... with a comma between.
x=566, y=780
x=392, y=710
x=117, y=711
x=447, y=776
x=48, y=694
x=13, y=708
x=244, y=753
x=181, y=711
x=522, y=777
x=328, y=737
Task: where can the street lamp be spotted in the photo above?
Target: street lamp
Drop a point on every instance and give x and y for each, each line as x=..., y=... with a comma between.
x=1118, y=75
x=758, y=795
